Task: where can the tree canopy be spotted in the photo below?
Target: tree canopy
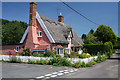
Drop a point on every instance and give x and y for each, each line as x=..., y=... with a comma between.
x=12, y=31
x=105, y=34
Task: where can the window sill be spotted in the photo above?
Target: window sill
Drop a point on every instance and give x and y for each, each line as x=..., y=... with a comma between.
x=39, y=36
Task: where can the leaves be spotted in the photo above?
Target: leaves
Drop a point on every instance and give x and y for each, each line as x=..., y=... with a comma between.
x=12, y=31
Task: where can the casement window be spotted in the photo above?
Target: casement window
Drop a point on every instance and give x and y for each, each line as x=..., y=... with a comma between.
x=17, y=48
x=59, y=51
x=40, y=34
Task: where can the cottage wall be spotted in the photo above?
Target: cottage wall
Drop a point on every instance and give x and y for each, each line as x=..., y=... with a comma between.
x=44, y=39
x=9, y=48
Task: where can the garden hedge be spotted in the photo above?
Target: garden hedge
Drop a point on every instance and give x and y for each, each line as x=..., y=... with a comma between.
x=93, y=49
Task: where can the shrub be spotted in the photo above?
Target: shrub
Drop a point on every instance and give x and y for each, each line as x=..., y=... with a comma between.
x=99, y=58
x=41, y=61
x=13, y=59
x=55, y=64
x=93, y=49
x=83, y=64
x=48, y=53
x=89, y=64
x=19, y=60
x=66, y=55
x=77, y=65
x=81, y=56
x=31, y=61
x=46, y=61
x=94, y=62
x=38, y=55
x=26, y=52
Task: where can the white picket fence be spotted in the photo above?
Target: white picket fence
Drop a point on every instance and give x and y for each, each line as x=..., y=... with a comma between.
x=26, y=58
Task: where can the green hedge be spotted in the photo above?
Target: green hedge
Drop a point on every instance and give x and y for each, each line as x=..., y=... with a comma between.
x=93, y=49
x=116, y=47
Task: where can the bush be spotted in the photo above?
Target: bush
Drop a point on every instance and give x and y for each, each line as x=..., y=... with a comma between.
x=46, y=61
x=83, y=64
x=19, y=60
x=93, y=49
x=41, y=62
x=13, y=59
x=38, y=55
x=89, y=64
x=26, y=52
x=81, y=56
x=48, y=53
x=66, y=55
x=31, y=61
x=73, y=54
x=77, y=65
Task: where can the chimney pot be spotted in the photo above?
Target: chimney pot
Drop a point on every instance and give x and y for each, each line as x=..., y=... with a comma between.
x=61, y=18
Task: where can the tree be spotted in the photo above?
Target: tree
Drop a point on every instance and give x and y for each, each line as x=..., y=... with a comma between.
x=105, y=34
x=12, y=32
x=83, y=36
x=91, y=39
x=91, y=31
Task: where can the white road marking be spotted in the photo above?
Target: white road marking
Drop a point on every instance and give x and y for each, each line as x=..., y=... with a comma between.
x=48, y=74
x=61, y=71
x=47, y=77
x=71, y=71
x=75, y=69
x=66, y=72
x=60, y=74
x=55, y=73
x=40, y=77
x=53, y=76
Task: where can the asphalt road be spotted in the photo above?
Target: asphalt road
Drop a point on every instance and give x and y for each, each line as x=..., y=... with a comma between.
x=16, y=70
x=107, y=69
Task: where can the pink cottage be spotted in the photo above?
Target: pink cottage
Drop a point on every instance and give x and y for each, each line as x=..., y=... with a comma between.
x=45, y=33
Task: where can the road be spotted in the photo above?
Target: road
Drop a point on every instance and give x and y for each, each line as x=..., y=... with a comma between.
x=107, y=69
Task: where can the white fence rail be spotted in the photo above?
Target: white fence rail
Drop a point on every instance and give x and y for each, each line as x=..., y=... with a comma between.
x=25, y=58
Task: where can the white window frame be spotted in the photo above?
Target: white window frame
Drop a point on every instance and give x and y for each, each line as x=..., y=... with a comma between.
x=68, y=50
x=17, y=48
x=39, y=34
x=62, y=51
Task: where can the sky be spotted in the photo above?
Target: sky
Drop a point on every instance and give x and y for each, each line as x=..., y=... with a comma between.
x=105, y=13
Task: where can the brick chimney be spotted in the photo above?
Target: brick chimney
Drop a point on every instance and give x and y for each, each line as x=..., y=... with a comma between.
x=61, y=18
x=32, y=39
x=32, y=17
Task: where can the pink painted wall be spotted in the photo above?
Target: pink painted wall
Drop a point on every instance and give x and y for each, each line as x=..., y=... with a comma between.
x=11, y=48
x=44, y=39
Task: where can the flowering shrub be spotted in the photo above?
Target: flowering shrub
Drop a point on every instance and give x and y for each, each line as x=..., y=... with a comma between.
x=77, y=65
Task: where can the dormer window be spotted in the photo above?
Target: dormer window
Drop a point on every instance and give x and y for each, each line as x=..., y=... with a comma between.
x=39, y=34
